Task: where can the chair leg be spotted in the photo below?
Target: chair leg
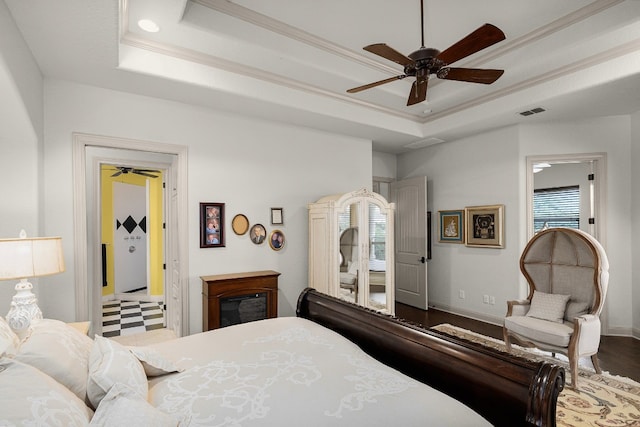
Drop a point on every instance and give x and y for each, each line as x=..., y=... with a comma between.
x=573, y=366
x=507, y=340
x=596, y=363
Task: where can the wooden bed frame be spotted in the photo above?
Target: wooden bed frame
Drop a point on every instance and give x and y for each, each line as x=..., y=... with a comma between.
x=506, y=390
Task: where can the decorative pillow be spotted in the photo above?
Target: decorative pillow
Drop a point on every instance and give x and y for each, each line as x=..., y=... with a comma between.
x=123, y=406
x=153, y=362
x=60, y=351
x=548, y=306
x=9, y=341
x=30, y=397
x=576, y=309
x=109, y=363
x=353, y=267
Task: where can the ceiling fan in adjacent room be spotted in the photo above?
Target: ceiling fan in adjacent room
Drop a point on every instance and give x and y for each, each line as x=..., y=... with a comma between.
x=426, y=61
x=123, y=170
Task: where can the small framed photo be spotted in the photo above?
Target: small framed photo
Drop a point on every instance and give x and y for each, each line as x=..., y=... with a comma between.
x=257, y=234
x=276, y=240
x=451, y=226
x=485, y=226
x=277, y=217
x=211, y=225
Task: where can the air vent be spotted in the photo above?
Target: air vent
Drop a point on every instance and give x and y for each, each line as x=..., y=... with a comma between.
x=424, y=143
x=532, y=111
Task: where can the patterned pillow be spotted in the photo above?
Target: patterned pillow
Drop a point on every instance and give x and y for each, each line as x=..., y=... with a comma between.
x=123, y=406
x=154, y=363
x=60, y=351
x=548, y=306
x=30, y=397
x=9, y=341
x=109, y=363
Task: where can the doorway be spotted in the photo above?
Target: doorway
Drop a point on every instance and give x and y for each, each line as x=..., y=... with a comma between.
x=89, y=153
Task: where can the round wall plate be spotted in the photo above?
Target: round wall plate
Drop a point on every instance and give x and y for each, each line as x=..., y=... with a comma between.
x=240, y=224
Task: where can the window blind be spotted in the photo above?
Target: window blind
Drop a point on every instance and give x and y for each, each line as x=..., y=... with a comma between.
x=556, y=207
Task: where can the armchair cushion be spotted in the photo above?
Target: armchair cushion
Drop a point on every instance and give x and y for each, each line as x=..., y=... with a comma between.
x=548, y=306
x=541, y=331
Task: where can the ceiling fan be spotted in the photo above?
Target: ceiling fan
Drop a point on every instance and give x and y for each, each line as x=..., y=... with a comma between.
x=120, y=170
x=426, y=61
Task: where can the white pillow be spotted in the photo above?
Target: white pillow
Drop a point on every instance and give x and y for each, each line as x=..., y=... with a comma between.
x=9, y=341
x=123, y=406
x=548, y=306
x=153, y=362
x=109, y=363
x=353, y=267
x=30, y=397
x=60, y=351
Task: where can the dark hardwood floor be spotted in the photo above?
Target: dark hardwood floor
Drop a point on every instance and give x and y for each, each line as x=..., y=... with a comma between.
x=617, y=355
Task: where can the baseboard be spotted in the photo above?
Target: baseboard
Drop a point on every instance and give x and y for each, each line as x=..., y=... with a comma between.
x=139, y=297
x=470, y=314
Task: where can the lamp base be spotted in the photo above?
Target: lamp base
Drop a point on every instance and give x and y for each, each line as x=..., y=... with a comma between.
x=24, y=308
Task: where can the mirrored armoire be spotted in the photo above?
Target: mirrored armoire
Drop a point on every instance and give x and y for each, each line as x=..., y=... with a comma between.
x=351, y=253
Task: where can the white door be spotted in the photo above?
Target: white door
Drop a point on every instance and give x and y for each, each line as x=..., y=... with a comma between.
x=410, y=197
x=130, y=212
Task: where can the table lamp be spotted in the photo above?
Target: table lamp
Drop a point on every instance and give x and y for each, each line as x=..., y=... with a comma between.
x=23, y=258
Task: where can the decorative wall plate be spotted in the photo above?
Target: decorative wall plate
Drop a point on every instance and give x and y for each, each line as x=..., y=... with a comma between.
x=240, y=224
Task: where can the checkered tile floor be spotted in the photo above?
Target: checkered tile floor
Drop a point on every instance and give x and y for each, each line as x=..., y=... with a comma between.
x=130, y=317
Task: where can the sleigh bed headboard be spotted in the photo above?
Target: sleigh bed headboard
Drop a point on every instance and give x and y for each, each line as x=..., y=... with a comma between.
x=504, y=389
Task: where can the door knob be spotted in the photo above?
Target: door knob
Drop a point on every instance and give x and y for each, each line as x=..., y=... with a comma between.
x=423, y=260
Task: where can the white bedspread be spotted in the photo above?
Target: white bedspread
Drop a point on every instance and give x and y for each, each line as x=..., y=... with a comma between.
x=292, y=372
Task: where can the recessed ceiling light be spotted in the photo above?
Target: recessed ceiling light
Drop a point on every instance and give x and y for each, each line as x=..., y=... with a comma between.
x=148, y=25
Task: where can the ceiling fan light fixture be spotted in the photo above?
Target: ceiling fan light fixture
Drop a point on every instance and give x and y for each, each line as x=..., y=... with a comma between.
x=148, y=25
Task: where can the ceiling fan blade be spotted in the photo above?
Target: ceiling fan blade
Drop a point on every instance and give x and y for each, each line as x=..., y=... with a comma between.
x=473, y=75
x=145, y=170
x=146, y=174
x=387, y=52
x=418, y=92
x=374, y=84
x=116, y=174
x=481, y=38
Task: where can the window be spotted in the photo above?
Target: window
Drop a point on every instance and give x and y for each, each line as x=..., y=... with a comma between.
x=377, y=236
x=556, y=207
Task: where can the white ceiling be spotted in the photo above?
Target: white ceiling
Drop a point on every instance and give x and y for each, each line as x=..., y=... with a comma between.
x=293, y=60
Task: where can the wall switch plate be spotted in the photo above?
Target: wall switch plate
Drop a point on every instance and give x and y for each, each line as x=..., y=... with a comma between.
x=485, y=299
x=461, y=294
x=492, y=300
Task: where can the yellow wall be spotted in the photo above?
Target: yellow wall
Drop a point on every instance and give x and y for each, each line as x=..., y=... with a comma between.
x=154, y=226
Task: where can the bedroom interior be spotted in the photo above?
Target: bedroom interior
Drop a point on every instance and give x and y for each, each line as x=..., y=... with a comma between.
x=247, y=103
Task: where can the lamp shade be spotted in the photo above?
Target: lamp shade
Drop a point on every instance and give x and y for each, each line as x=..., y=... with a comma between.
x=30, y=257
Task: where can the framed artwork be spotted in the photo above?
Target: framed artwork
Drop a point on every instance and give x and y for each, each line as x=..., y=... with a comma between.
x=257, y=234
x=211, y=225
x=276, y=240
x=451, y=226
x=276, y=216
x=485, y=226
x=240, y=224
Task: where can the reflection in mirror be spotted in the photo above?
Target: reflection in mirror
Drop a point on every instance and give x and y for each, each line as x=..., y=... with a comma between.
x=377, y=257
x=349, y=268
x=564, y=191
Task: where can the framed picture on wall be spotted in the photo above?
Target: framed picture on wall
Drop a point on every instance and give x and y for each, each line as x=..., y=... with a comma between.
x=485, y=226
x=211, y=225
x=277, y=217
x=276, y=240
x=451, y=226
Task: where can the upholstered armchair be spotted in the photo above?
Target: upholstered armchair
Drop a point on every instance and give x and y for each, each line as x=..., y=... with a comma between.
x=349, y=259
x=568, y=273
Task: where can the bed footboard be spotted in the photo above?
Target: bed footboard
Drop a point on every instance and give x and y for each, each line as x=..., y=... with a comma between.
x=504, y=389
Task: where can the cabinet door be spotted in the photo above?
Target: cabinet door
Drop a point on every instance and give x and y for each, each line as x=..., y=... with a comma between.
x=349, y=247
x=379, y=293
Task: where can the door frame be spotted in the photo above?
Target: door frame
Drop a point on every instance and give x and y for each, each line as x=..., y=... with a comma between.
x=86, y=302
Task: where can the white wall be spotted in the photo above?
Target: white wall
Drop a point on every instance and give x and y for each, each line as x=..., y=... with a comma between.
x=483, y=170
x=20, y=139
x=384, y=165
x=250, y=165
x=635, y=220
x=490, y=168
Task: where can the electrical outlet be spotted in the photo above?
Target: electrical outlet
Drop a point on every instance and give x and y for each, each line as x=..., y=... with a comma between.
x=485, y=299
x=461, y=294
x=492, y=300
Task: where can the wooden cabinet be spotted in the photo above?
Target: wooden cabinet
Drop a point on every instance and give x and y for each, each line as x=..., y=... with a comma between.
x=351, y=248
x=229, y=299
